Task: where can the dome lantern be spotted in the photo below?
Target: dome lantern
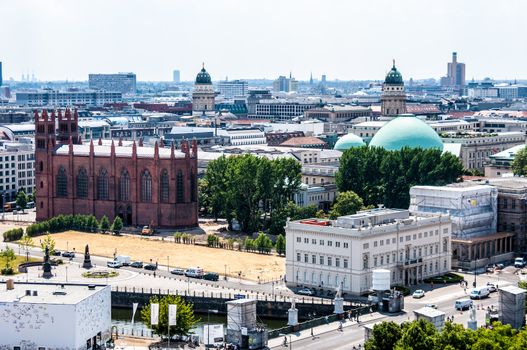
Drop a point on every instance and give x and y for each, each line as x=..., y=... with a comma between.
x=203, y=76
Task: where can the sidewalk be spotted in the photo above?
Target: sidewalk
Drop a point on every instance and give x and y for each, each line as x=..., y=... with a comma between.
x=326, y=328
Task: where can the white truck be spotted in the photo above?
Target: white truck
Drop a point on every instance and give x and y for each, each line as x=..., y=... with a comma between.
x=519, y=263
x=123, y=259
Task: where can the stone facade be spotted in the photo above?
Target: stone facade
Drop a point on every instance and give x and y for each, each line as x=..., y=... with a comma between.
x=154, y=186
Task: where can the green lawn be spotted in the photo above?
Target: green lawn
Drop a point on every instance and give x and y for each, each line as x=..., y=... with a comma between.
x=19, y=260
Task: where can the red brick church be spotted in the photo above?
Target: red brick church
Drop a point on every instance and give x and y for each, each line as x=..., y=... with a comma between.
x=143, y=185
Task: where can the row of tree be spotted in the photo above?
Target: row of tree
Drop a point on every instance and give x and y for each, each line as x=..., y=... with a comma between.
x=251, y=189
x=380, y=176
x=86, y=223
x=421, y=334
x=261, y=244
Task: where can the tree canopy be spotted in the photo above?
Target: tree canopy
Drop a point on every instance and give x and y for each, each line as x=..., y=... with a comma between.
x=346, y=203
x=249, y=189
x=380, y=176
x=21, y=199
x=417, y=335
x=519, y=164
x=185, y=318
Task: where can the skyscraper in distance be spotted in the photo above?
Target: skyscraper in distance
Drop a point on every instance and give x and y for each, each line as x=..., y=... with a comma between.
x=176, y=77
x=1, y=81
x=455, y=73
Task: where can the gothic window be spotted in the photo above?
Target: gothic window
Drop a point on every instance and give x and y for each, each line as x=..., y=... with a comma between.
x=102, y=184
x=180, y=191
x=124, y=186
x=62, y=183
x=82, y=183
x=146, y=186
x=164, y=186
x=192, y=186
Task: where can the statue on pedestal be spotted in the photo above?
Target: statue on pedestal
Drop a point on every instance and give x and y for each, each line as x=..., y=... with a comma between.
x=87, y=260
x=46, y=266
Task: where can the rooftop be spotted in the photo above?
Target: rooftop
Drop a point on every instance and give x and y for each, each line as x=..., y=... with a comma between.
x=120, y=151
x=65, y=294
x=306, y=140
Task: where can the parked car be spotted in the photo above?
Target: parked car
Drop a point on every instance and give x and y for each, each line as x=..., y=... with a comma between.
x=492, y=288
x=418, y=294
x=463, y=304
x=137, y=264
x=304, y=291
x=490, y=268
x=114, y=264
x=433, y=306
x=499, y=267
x=151, y=267
x=177, y=271
x=211, y=276
x=56, y=253
x=147, y=231
x=194, y=272
x=519, y=263
x=68, y=254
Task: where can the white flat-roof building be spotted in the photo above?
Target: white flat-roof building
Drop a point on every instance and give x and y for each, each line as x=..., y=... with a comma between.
x=327, y=254
x=54, y=316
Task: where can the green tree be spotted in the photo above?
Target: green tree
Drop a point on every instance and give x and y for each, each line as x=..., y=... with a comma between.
x=26, y=242
x=417, y=335
x=519, y=164
x=21, y=199
x=104, y=224
x=454, y=336
x=185, y=319
x=49, y=242
x=117, y=224
x=263, y=243
x=385, y=335
x=8, y=255
x=280, y=244
x=346, y=203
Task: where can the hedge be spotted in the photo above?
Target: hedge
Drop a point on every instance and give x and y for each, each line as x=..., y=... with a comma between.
x=446, y=278
x=13, y=235
x=86, y=223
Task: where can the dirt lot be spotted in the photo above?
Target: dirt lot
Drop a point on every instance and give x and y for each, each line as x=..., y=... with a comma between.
x=251, y=265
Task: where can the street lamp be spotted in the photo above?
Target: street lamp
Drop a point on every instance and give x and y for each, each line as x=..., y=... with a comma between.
x=225, y=276
x=168, y=263
x=214, y=311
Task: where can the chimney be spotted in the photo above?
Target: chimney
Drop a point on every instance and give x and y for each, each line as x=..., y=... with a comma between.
x=10, y=284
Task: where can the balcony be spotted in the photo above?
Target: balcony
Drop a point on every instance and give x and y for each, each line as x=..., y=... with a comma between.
x=409, y=262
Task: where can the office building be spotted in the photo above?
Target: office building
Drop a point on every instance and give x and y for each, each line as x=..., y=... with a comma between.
x=393, y=98
x=233, y=88
x=143, y=185
x=281, y=109
x=54, y=316
x=338, y=114
x=284, y=84
x=328, y=254
x=176, y=77
x=120, y=82
x=500, y=163
x=55, y=98
x=455, y=74
x=254, y=98
x=17, y=168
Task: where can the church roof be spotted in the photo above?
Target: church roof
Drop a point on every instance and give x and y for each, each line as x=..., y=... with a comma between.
x=394, y=77
x=120, y=151
x=203, y=77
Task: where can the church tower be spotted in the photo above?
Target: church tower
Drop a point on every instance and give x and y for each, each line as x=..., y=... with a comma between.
x=393, y=98
x=45, y=142
x=203, y=95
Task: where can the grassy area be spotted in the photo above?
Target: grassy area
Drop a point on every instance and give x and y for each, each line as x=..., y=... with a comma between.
x=14, y=264
x=446, y=278
x=250, y=265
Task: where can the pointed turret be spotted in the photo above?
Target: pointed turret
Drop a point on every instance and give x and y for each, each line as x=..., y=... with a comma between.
x=112, y=149
x=156, y=151
x=120, y=141
x=100, y=141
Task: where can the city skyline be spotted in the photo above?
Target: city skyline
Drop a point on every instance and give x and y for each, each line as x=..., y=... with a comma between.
x=345, y=41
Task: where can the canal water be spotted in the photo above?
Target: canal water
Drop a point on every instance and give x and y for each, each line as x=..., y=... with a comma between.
x=122, y=318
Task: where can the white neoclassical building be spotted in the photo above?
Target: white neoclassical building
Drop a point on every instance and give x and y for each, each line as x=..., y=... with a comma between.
x=327, y=254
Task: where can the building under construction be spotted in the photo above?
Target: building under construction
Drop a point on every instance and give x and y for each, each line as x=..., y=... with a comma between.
x=512, y=306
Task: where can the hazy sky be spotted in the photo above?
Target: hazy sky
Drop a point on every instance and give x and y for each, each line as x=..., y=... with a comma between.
x=345, y=39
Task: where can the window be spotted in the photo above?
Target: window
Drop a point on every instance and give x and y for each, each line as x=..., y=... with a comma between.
x=420, y=235
x=400, y=239
x=375, y=261
x=337, y=244
x=146, y=186
x=330, y=243
x=382, y=260
x=408, y=238
x=298, y=239
x=321, y=260
x=180, y=194
x=102, y=184
x=345, y=263
x=306, y=259
x=337, y=262
x=415, y=236
x=297, y=256
x=345, y=245
x=62, y=183
x=388, y=258
x=313, y=259
x=313, y=241
x=375, y=244
x=82, y=183
x=445, y=230
x=329, y=261
x=164, y=186
x=388, y=241
x=306, y=240
x=365, y=246
x=192, y=186
x=124, y=186
x=321, y=242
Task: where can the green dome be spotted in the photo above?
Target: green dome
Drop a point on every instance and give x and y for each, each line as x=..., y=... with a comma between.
x=203, y=77
x=348, y=141
x=394, y=77
x=406, y=131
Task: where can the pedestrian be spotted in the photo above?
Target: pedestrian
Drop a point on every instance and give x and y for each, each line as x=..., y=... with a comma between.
x=465, y=289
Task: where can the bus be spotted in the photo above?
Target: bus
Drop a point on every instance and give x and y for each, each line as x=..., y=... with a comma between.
x=9, y=207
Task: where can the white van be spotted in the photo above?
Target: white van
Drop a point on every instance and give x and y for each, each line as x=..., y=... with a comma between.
x=519, y=262
x=463, y=304
x=114, y=264
x=123, y=259
x=479, y=293
x=194, y=272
